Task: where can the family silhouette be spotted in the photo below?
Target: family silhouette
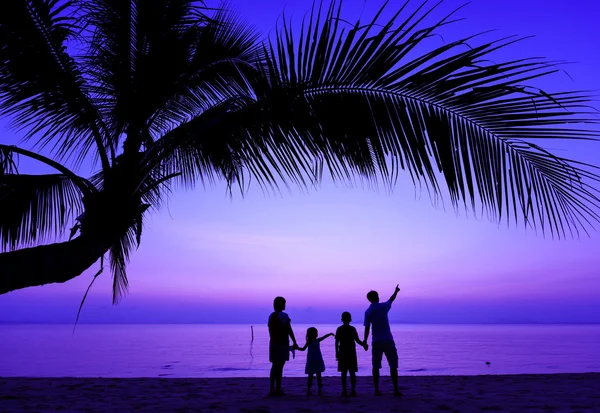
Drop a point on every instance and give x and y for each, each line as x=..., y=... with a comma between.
x=346, y=337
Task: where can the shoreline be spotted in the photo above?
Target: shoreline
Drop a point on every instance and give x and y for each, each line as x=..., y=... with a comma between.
x=561, y=392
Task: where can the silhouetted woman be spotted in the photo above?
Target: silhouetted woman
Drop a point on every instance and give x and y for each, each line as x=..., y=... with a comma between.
x=280, y=330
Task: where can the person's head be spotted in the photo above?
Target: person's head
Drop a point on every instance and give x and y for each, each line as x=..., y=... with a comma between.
x=346, y=317
x=279, y=304
x=311, y=334
x=373, y=297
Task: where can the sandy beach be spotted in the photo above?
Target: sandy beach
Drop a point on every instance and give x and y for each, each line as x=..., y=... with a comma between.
x=515, y=393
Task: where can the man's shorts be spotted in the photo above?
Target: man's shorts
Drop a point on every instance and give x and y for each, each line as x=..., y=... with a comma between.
x=387, y=347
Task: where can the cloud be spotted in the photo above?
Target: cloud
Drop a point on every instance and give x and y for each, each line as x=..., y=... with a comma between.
x=227, y=236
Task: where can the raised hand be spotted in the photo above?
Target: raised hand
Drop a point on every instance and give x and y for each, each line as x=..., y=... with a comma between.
x=396, y=291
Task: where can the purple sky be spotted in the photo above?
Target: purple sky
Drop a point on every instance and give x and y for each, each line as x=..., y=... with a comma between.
x=208, y=258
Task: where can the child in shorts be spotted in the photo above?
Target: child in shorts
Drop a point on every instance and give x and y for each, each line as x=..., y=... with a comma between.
x=346, y=338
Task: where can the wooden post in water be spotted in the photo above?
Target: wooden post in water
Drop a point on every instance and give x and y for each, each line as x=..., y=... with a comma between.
x=252, y=330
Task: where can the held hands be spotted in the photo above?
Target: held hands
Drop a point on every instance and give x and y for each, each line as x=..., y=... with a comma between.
x=365, y=346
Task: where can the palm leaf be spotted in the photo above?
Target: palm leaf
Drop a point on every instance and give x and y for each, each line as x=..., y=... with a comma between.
x=360, y=102
x=191, y=153
x=120, y=253
x=223, y=52
x=160, y=63
x=357, y=103
x=41, y=85
x=36, y=208
x=8, y=163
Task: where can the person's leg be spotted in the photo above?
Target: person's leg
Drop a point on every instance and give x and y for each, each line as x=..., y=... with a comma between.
x=279, y=378
x=320, y=383
x=272, y=376
x=376, y=354
x=376, y=380
x=344, y=373
x=394, y=374
x=310, y=380
x=353, y=383
x=391, y=354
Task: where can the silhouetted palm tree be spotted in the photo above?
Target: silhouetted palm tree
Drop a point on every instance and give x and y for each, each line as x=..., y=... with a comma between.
x=166, y=91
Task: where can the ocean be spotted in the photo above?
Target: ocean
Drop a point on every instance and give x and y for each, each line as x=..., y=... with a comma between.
x=197, y=350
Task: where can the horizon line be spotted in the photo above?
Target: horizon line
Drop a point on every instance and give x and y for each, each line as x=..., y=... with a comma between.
x=318, y=323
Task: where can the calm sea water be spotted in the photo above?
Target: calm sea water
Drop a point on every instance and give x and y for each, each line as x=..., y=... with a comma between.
x=227, y=350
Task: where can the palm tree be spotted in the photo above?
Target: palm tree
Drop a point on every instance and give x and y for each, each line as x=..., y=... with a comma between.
x=166, y=92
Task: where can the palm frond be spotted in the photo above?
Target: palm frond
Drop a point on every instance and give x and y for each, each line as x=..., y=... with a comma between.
x=120, y=253
x=223, y=53
x=155, y=189
x=357, y=103
x=160, y=63
x=8, y=163
x=119, y=258
x=192, y=153
x=362, y=105
x=36, y=208
x=41, y=85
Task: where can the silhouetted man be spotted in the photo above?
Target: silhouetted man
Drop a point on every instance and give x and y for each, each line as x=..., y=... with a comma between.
x=383, y=341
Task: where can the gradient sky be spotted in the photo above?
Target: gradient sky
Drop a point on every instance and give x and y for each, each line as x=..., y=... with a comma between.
x=208, y=258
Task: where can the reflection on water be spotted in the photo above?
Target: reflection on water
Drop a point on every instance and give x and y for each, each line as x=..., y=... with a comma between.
x=228, y=351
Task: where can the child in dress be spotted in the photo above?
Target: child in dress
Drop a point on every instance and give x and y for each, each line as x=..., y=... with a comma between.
x=346, y=338
x=314, y=358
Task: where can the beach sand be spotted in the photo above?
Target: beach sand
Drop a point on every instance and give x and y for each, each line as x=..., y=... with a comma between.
x=514, y=393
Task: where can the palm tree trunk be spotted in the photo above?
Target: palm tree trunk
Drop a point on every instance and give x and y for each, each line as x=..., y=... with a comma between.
x=53, y=263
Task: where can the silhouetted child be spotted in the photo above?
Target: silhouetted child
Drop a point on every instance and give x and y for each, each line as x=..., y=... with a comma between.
x=346, y=338
x=280, y=328
x=314, y=358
